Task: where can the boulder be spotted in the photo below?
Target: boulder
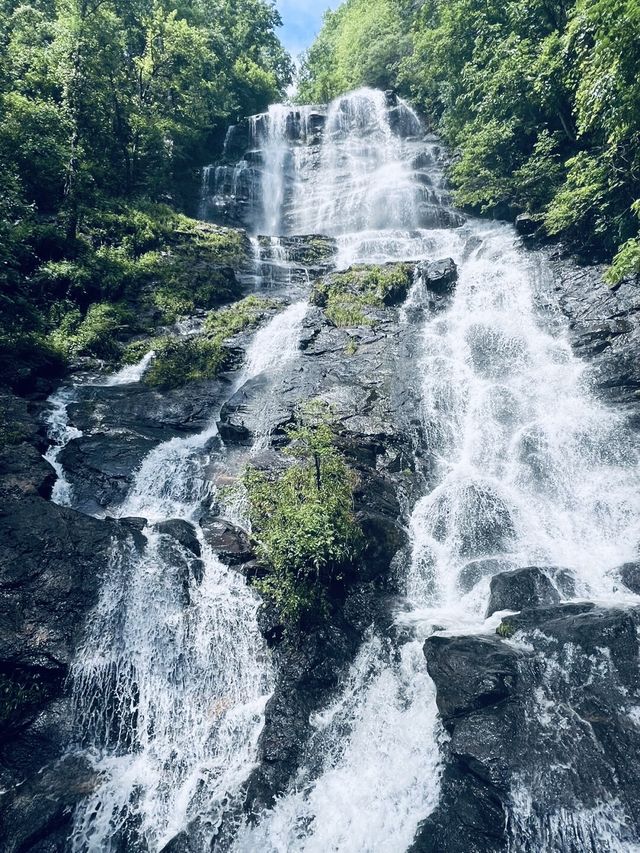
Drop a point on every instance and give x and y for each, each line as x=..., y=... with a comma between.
x=440, y=277
x=548, y=716
x=473, y=673
x=473, y=572
x=605, y=328
x=228, y=542
x=629, y=574
x=183, y=532
x=521, y=589
x=526, y=225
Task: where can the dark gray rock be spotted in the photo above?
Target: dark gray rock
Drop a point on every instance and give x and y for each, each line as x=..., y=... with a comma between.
x=37, y=815
x=101, y=468
x=521, y=589
x=550, y=715
x=630, y=576
x=440, y=277
x=526, y=224
x=605, y=329
x=147, y=412
x=52, y=561
x=228, y=542
x=472, y=673
x=183, y=532
x=476, y=570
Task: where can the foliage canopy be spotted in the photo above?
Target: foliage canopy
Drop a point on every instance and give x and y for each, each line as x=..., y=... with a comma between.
x=540, y=99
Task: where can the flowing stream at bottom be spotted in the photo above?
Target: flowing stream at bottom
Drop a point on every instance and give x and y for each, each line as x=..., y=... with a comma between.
x=530, y=470
x=172, y=679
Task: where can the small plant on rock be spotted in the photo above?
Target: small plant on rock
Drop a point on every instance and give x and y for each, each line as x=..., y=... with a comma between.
x=303, y=524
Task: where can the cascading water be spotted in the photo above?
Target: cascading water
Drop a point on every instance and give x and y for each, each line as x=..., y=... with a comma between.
x=528, y=469
x=171, y=682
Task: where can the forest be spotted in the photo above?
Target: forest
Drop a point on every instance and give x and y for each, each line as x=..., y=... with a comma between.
x=109, y=108
x=539, y=101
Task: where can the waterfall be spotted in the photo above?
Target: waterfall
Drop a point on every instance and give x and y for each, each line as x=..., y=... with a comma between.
x=529, y=469
x=60, y=433
x=369, y=169
x=174, y=642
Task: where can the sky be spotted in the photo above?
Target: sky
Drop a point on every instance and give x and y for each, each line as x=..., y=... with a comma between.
x=302, y=19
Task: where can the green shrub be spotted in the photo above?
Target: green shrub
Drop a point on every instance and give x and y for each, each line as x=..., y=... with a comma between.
x=182, y=360
x=95, y=334
x=306, y=535
x=627, y=261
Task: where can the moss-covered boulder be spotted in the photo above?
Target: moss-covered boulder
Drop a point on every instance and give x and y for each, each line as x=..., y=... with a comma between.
x=351, y=298
x=180, y=360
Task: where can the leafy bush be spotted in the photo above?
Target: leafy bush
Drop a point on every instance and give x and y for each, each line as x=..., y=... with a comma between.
x=95, y=334
x=303, y=524
x=181, y=360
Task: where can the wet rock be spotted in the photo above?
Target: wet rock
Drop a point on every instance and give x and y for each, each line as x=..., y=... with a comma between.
x=181, y=549
x=24, y=473
x=229, y=543
x=183, y=532
x=605, y=328
x=526, y=224
x=313, y=251
x=310, y=662
x=521, y=589
x=472, y=673
x=548, y=714
x=38, y=815
x=101, y=468
x=630, y=576
x=440, y=277
x=255, y=409
x=52, y=561
x=146, y=412
x=476, y=570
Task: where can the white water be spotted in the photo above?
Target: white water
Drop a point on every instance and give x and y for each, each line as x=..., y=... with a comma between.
x=131, y=373
x=530, y=468
x=175, y=644
x=60, y=433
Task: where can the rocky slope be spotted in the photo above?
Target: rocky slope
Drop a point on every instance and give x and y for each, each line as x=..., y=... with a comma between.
x=557, y=684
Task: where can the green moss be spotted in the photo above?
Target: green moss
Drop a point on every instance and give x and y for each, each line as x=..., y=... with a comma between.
x=346, y=297
x=351, y=347
x=505, y=630
x=182, y=360
x=306, y=535
x=95, y=334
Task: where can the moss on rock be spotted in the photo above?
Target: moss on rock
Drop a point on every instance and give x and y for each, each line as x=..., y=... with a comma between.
x=348, y=297
x=181, y=360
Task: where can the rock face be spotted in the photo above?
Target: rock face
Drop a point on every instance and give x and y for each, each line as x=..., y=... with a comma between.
x=630, y=576
x=551, y=713
x=120, y=426
x=353, y=370
x=521, y=588
x=440, y=276
x=52, y=561
x=605, y=329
